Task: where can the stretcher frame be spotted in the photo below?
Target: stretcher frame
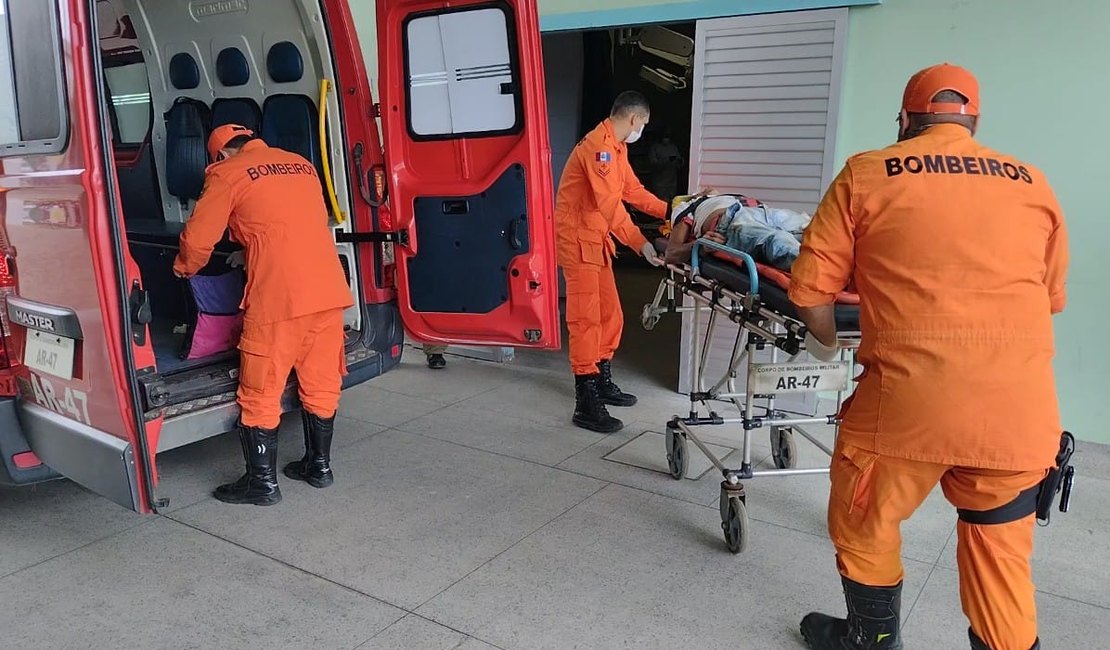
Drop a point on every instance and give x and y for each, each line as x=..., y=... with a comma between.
x=761, y=327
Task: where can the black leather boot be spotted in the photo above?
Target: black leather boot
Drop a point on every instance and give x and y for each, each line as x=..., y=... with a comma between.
x=437, y=361
x=873, y=621
x=315, y=467
x=609, y=392
x=259, y=485
x=979, y=644
x=589, y=411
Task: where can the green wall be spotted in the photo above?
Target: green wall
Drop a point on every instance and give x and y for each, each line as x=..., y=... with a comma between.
x=1045, y=90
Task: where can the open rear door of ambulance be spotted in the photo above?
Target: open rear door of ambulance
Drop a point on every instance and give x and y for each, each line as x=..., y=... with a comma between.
x=74, y=309
x=469, y=171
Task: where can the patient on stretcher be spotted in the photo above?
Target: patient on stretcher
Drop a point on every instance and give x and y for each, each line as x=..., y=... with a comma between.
x=770, y=235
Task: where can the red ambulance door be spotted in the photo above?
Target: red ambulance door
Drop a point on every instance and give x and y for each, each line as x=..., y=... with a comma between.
x=74, y=309
x=469, y=171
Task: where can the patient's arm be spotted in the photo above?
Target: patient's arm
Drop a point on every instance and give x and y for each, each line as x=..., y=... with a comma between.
x=821, y=322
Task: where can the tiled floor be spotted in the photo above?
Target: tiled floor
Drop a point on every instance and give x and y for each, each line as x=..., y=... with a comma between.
x=469, y=515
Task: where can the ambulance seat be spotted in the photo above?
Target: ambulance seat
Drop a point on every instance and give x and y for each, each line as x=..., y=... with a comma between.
x=187, y=124
x=233, y=71
x=289, y=121
x=186, y=148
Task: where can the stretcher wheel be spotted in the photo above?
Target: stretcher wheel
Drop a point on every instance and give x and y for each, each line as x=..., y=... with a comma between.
x=648, y=318
x=678, y=456
x=735, y=525
x=784, y=451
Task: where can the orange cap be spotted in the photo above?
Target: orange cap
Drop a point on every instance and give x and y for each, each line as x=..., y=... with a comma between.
x=221, y=135
x=926, y=84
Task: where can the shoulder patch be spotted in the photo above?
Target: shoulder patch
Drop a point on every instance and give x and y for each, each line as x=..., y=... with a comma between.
x=604, y=157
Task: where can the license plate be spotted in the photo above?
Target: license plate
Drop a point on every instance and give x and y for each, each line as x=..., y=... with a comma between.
x=772, y=378
x=50, y=353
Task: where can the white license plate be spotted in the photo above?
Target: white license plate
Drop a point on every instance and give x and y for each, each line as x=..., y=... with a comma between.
x=50, y=353
x=773, y=378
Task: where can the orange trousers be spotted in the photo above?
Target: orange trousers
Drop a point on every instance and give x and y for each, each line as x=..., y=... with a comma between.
x=873, y=494
x=312, y=345
x=594, y=317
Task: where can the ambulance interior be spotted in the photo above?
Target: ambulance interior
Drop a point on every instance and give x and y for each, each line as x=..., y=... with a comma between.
x=171, y=77
x=584, y=71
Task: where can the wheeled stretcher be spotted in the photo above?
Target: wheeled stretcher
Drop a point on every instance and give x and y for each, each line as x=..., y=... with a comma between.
x=721, y=282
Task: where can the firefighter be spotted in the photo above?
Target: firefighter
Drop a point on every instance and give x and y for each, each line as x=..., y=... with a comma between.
x=959, y=254
x=589, y=211
x=272, y=201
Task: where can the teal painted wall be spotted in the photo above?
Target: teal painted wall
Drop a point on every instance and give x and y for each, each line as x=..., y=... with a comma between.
x=1045, y=90
x=559, y=15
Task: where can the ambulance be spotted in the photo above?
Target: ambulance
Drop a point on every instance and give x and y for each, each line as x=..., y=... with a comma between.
x=439, y=194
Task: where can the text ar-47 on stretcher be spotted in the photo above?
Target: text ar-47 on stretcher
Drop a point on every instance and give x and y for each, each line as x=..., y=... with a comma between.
x=773, y=378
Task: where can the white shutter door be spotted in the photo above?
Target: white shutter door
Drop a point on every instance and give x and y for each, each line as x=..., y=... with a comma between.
x=766, y=90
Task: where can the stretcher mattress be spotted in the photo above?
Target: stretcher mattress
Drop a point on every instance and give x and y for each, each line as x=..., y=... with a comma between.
x=735, y=277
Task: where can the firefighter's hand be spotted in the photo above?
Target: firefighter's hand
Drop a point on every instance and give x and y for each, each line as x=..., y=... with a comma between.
x=237, y=260
x=648, y=251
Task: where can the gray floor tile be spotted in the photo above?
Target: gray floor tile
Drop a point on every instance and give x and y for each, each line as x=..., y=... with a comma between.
x=591, y=462
x=501, y=433
x=371, y=404
x=1071, y=557
x=408, y=517
x=549, y=399
x=937, y=621
x=474, y=644
x=461, y=379
x=164, y=585
x=416, y=633
x=44, y=520
x=189, y=474
x=649, y=451
x=1092, y=460
x=635, y=570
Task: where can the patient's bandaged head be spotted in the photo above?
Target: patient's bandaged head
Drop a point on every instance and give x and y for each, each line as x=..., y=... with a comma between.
x=704, y=207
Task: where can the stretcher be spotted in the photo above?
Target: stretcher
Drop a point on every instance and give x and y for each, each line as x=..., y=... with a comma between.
x=769, y=348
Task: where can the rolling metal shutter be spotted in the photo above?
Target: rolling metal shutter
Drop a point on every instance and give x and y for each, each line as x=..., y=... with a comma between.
x=766, y=91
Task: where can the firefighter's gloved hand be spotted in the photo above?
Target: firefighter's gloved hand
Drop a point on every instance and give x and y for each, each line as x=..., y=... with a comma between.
x=819, y=350
x=650, y=255
x=236, y=260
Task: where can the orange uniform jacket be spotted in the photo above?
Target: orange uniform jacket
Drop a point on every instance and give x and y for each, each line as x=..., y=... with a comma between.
x=273, y=203
x=959, y=255
x=588, y=206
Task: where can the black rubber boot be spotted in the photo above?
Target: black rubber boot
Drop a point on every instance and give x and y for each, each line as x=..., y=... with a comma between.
x=979, y=644
x=872, y=624
x=437, y=362
x=315, y=467
x=609, y=392
x=259, y=485
x=589, y=411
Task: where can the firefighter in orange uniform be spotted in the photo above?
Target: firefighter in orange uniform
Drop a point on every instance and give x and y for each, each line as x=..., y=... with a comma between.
x=272, y=201
x=959, y=254
x=589, y=210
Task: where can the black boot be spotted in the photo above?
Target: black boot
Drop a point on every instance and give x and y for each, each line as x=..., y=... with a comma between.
x=437, y=361
x=872, y=624
x=589, y=411
x=259, y=485
x=979, y=644
x=609, y=392
x=315, y=467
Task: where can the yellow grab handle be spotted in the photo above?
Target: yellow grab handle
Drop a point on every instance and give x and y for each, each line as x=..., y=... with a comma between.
x=325, y=86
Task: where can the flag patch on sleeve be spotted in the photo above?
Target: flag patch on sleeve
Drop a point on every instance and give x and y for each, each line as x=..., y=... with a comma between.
x=604, y=157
